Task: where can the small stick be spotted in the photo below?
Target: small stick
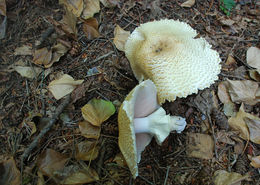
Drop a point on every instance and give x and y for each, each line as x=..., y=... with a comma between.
x=166, y=176
x=58, y=111
x=214, y=137
x=99, y=58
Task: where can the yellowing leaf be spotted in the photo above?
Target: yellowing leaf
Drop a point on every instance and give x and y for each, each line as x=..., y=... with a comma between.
x=42, y=56
x=97, y=111
x=50, y=162
x=243, y=91
x=255, y=161
x=254, y=129
x=88, y=130
x=188, y=3
x=253, y=57
x=200, y=146
x=9, y=173
x=91, y=7
x=75, y=6
x=90, y=28
x=63, y=86
x=222, y=177
x=87, y=150
x=237, y=123
x=23, y=50
x=121, y=37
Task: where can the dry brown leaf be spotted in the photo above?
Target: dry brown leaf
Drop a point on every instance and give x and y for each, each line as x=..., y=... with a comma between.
x=225, y=137
x=91, y=7
x=68, y=24
x=42, y=56
x=226, y=22
x=188, y=3
x=75, y=174
x=253, y=57
x=200, y=146
x=23, y=50
x=243, y=91
x=222, y=177
x=2, y=8
x=237, y=123
x=9, y=173
x=96, y=111
x=87, y=150
x=109, y=3
x=90, y=28
x=63, y=86
x=75, y=6
x=80, y=91
x=88, y=130
x=254, y=129
x=255, y=161
x=120, y=37
x=223, y=94
x=255, y=75
x=50, y=162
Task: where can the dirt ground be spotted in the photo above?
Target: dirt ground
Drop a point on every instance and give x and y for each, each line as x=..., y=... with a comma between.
x=23, y=98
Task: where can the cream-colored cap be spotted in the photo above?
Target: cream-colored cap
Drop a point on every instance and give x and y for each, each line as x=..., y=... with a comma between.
x=167, y=52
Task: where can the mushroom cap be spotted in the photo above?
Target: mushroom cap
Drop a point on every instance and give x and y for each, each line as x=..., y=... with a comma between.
x=140, y=102
x=168, y=53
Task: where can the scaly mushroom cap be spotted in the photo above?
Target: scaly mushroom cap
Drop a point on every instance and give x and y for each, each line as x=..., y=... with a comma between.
x=167, y=52
x=140, y=102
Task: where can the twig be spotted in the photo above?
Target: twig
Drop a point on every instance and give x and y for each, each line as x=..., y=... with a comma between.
x=166, y=176
x=99, y=58
x=214, y=137
x=58, y=111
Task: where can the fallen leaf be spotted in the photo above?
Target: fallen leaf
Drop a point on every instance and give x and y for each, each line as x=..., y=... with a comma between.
x=4, y=20
x=223, y=94
x=88, y=130
x=120, y=160
x=188, y=3
x=254, y=129
x=28, y=72
x=91, y=7
x=68, y=24
x=90, y=28
x=63, y=86
x=96, y=111
x=109, y=3
x=243, y=91
x=23, y=50
x=226, y=22
x=222, y=177
x=253, y=57
x=75, y=6
x=75, y=174
x=9, y=173
x=87, y=150
x=2, y=8
x=255, y=161
x=80, y=91
x=42, y=56
x=225, y=137
x=229, y=109
x=237, y=123
x=50, y=162
x=120, y=37
x=230, y=63
x=200, y=146
x=255, y=75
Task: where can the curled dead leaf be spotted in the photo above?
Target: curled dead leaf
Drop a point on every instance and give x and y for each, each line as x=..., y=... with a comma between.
x=88, y=130
x=87, y=150
x=75, y=6
x=90, y=28
x=255, y=161
x=63, y=86
x=42, y=56
x=188, y=3
x=120, y=37
x=91, y=7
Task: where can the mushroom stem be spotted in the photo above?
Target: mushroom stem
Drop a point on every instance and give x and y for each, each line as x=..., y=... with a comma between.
x=159, y=124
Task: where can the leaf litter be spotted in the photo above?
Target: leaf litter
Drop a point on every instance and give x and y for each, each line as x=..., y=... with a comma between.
x=233, y=92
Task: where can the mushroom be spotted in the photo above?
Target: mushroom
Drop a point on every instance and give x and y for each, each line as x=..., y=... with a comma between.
x=168, y=53
x=140, y=118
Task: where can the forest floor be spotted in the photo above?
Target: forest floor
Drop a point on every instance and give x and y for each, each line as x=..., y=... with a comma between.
x=39, y=31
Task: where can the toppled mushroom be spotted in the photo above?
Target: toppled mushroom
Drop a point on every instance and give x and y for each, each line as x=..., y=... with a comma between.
x=168, y=53
x=140, y=118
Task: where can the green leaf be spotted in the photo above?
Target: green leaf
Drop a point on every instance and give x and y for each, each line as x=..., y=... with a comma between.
x=97, y=111
x=227, y=5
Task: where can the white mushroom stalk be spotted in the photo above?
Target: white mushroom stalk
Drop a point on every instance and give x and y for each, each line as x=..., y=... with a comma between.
x=159, y=124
